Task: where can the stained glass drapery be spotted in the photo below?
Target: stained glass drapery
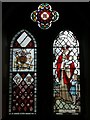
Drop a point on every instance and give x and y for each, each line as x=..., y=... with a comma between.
x=66, y=74
x=23, y=74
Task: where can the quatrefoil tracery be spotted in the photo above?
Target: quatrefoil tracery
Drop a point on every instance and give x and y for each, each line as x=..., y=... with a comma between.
x=44, y=16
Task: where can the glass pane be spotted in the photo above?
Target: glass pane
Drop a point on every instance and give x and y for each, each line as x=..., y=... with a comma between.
x=23, y=74
x=66, y=74
x=23, y=60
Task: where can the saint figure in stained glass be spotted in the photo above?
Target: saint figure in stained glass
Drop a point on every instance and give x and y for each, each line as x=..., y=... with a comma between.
x=66, y=74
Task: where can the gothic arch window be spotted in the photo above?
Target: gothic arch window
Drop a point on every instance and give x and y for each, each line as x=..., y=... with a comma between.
x=23, y=74
x=66, y=73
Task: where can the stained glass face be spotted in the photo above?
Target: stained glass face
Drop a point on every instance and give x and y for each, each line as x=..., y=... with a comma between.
x=23, y=74
x=44, y=16
x=66, y=74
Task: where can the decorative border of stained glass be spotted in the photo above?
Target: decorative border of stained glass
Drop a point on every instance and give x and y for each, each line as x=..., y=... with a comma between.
x=23, y=74
x=66, y=74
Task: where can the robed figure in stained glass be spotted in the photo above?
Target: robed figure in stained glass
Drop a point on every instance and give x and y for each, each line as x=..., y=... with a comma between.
x=66, y=73
x=65, y=70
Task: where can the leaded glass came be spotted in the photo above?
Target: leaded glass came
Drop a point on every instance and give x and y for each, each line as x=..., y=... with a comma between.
x=23, y=74
x=66, y=73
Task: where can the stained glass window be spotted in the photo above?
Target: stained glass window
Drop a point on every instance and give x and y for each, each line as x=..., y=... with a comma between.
x=66, y=74
x=44, y=16
x=23, y=74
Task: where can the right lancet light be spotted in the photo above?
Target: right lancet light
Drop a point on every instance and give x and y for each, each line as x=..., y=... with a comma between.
x=66, y=74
